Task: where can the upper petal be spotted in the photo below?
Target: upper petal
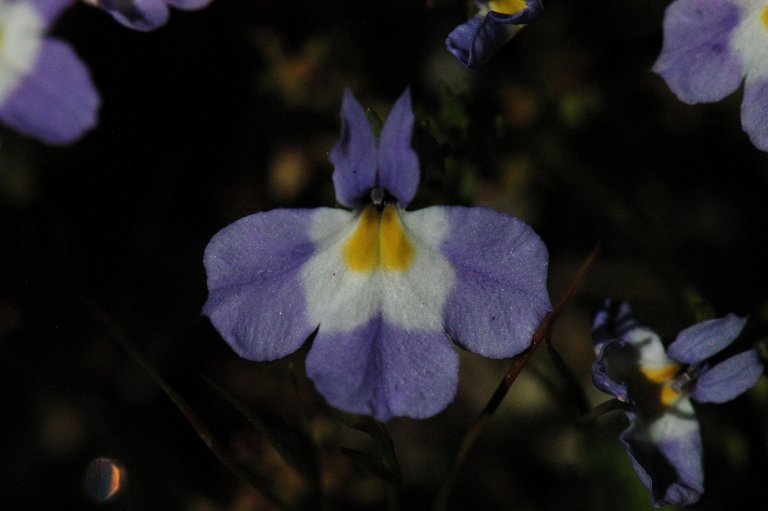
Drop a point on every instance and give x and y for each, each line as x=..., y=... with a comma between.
x=140, y=15
x=256, y=299
x=728, y=379
x=500, y=295
x=702, y=340
x=56, y=100
x=354, y=156
x=382, y=370
x=697, y=60
x=666, y=454
x=398, y=163
x=613, y=320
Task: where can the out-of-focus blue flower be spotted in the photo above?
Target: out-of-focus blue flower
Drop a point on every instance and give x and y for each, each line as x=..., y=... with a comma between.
x=657, y=385
x=46, y=92
x=496, y=22
x=145, y=15
x=384, y=289
x=710, y=46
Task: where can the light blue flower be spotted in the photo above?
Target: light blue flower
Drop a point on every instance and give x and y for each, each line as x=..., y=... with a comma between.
x=46, y=92
x=145, y=15
x=657, y=385
x=710, y=47
x=386, y=290
x=496, y=22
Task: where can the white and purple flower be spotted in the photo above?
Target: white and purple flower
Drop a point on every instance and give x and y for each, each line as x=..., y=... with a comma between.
x=46, y=92
x=386, y=290
x=145, y=15
x=656, y=385
x=710, y=46
x=496, y=22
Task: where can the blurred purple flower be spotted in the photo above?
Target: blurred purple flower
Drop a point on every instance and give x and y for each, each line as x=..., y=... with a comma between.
x=496, y=22
x=46, y=92
x=385, y=290
x=145, y=15
x=655, y=383
x=710, y=46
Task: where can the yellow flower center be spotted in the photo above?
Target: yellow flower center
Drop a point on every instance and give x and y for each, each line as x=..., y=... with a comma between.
x=764, y=17
x=378, y=241
x=661, y=374
x=668, y=395
x=506, y=6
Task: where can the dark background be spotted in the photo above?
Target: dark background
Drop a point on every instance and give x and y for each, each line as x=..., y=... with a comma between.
x=232, y=110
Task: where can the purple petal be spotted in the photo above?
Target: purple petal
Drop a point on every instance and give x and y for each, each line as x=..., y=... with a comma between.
x=56, y=101
x=604, y=377
x=51, y=9
x=354, y=155
x=381, y=370
x=478, y=39
x=398, y=163
x=189, y=5
x=728, y=379
x=754, y=111
x=143, y=15
x=612, y=321
x=500, y=296
x=702, y=340
x=666, y=454
x=256, y=300
x=696, y=60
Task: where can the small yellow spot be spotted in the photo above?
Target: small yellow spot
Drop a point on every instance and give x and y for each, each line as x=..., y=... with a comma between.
x=378, y=240
x=506, y=6
x=764, y=17
x=668, y=395
x=661, y=374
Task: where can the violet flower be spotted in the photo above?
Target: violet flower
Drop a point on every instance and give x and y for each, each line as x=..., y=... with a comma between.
x=386, y=290
x=657, y=385
x=496, y=22
x=46, y=92
x=145, y=15
x=710, y=46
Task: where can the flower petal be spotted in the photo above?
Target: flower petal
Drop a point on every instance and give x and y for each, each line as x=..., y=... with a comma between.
x=728, y=379
x=478, y=39
x=666, y=454
x=50, y=9
x=189, y=5
x=256, y=300
x=754, y=111
x=385, y=371
x=702, y=340
x=354, y=155
x=398, y=163
x=697, y=61
x=613, y=320
x=500, y=295
x=143, y=15
x=55, y=101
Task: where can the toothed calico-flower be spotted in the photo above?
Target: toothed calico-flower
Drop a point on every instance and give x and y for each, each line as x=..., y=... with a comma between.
x=46, y=92
x=657, y=385
x=386, y=289
x=710, y=46
x=496, y=22
x=145, y=15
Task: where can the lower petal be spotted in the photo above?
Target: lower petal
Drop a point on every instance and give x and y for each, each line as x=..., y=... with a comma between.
x=728, y=379
x=754, y=111
x=384, y=371
x=666, y=454
x=56, y=101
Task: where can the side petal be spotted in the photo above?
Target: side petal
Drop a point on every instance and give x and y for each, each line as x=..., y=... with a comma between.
x=354, y=155
x=478, y=39
x=754, y=111
x=143, y=15
x=500, y=292
x=189, y=5
x=398, y=163
x=697, y=60
x=256, y=300
x=702, y=340
x=728, y=379
x=56, y=101
x=384, y=371
x=666, y=454
x=605, y=377
x=612, y=321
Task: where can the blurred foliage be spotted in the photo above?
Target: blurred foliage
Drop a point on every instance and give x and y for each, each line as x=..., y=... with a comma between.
x=232, y=110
